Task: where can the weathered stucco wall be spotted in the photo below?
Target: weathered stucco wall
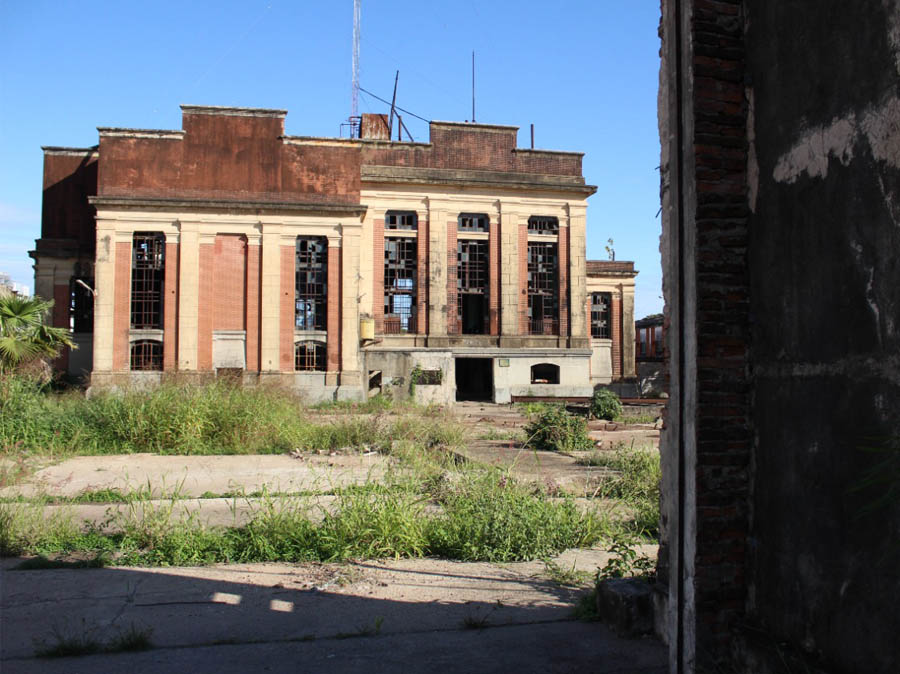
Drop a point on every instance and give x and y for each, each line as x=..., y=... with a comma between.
x=824, y=245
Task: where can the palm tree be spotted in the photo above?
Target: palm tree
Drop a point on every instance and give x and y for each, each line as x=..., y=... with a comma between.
x=23, y=335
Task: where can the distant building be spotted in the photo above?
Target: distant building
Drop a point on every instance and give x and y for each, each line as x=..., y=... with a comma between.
x=8, y=285
x=337, y=267
x=610, y=307
x=649, y=346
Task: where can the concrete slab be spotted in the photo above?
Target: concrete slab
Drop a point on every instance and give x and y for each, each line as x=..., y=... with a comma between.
x=195, y=475
x=379, y=616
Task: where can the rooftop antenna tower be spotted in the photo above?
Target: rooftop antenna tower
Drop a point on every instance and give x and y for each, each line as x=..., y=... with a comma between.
x=354, y=108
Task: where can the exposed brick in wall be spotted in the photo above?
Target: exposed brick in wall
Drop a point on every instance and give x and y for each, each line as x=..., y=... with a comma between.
x=333, y=345
x=563, y=281
x=170, y=309
x=252, y=316
x=229, y=278
x=461, y=147
x=587, y=306
x=452, y=276
x=60, y=319
x=422, y=283
x=378, y=274
x=722, y=416
x=523, y=278
x=494, y=277
x=616, y=333
x=231, y=158
x=286, y=312
x=122, y=310
x=208, y=305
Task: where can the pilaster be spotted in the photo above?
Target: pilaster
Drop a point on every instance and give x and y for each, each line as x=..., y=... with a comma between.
x=269, y=298
x=104, y=299
x=188, y=294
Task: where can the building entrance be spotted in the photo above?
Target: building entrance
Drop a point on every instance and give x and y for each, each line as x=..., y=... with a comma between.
x=474, y=379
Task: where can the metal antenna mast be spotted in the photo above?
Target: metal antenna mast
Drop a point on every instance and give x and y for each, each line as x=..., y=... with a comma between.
x=354, y=110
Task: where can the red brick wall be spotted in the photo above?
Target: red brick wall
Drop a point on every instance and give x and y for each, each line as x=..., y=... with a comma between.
x=452, y=274
x=170, y=309
x=587, y=306
x=523, y=279
x=563, y=281
x=60, y=319
x=286, y=312
x=65, y=211
x=207, y=307
x=616, y=334
x=378, y=274
x=333, y=325
x=494, y=263
x=122, y=308
x=229, y=277
x=459, y=147
x=252, y=316
x=422, y=284
x=228, y=157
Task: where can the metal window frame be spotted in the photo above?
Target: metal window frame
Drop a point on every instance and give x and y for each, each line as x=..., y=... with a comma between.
x=601, y=315
x=404, y=220
x=543, y=224
x=311, y=283
x=473, y=222
x=148, y=270
x=310, y=356
x=472, y=276
x=400, y=281
x=146, y=355
x=543, y=288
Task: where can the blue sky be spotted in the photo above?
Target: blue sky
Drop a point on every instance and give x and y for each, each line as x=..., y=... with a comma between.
x=585, y=73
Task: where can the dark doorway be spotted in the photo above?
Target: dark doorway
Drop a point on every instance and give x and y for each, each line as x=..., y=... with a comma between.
x=474, y=379
x=473, y=313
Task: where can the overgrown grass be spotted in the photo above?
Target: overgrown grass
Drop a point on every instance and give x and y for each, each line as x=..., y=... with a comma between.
x=213, y=418
x=472, y=515
x=552, y=428
x=634, y=481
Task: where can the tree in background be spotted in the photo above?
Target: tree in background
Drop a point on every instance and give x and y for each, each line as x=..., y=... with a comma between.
x=24, y=337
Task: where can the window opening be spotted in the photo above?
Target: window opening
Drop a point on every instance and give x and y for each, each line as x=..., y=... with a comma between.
x=401, y=220
x=543, y=291
x=471, y=285
x=309, y=356
x=147, y=274
x=600, y=326
x=81, y=305
x=311, y=283
x=545, y=373
x=147, y=354
x=399, y=285
x=543, y=224
x=472, y=222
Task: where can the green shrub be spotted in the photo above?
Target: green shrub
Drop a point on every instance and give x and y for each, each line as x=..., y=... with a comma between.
x=554, y=429
x=606, y=405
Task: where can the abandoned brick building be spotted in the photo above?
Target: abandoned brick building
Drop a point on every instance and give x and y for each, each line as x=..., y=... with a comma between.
x=335, y=266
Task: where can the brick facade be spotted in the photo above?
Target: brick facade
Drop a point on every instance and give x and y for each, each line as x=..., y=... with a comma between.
x=333, y=318
x=170, y=308
x=210, y=305
x=252, y=319
x=452, y=275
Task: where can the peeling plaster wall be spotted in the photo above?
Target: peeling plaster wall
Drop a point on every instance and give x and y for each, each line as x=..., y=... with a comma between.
x=824, y=254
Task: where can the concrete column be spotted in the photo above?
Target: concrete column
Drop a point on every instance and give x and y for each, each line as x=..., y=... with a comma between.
x=170, y=304
x=104, y=300
x=188, y=294
x=578, y=319
x=270, y=298
x=251, y=323
x=351, y=386
x=509, y=273
x=437, y=271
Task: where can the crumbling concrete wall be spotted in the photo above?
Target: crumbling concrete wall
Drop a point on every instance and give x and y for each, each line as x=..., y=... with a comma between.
x=780, y=128
x=823, y=94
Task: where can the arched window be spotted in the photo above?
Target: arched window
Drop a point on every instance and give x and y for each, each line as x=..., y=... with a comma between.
x=309, y=356
x=147, y=354
x=545, y=373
